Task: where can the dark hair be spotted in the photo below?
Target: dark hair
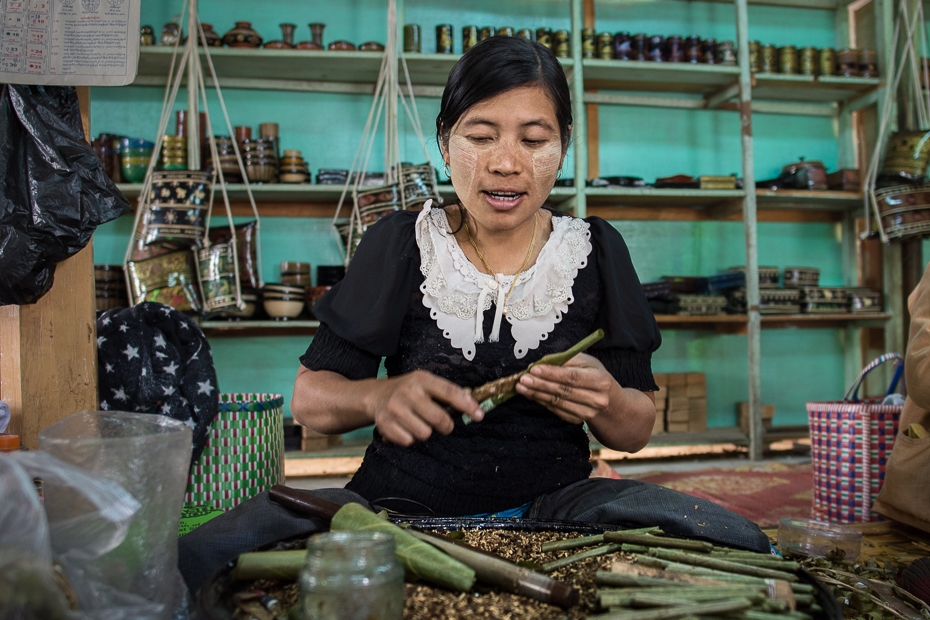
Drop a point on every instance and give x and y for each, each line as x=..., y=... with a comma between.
x=499, y=64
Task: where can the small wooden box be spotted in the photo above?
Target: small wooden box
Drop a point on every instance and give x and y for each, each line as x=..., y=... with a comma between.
x=312, y=441
x=717, y=182
x=678, y=427
x=697, y=414
x=696, y=378
x=697, y=391
x=678, y=415
x=742, y=416
x=678, y=391
x=676, y=379
x=846, y=180
x=661, y=379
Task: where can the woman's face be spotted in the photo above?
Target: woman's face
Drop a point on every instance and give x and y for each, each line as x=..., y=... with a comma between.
x=504, y=155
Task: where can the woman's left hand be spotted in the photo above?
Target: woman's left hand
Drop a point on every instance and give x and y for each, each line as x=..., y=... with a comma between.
x=577, y=392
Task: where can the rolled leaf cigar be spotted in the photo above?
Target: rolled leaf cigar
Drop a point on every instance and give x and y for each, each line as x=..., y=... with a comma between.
x=493, y=393
x=283, y=565
x=774, y=564
x=587, y=541
x=658, y=541
x=721, y=565
x=506, y=575
x=673, y=613
x=654, y=597
x=419, y=558
x=584, y=555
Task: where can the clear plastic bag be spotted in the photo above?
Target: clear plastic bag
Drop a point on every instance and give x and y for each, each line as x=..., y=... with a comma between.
x=113, y=494
x=95, y=520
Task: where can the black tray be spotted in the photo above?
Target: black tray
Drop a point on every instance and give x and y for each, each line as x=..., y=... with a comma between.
x=214, y=600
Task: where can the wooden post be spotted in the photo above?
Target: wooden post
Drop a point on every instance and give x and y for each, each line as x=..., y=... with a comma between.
x=592, y=110
x=48, y=350
x=754, y=325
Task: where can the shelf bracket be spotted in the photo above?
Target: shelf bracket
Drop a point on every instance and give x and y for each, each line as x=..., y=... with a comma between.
x=714, y=100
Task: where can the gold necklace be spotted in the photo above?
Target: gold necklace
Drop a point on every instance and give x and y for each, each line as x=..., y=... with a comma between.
x=529, y=253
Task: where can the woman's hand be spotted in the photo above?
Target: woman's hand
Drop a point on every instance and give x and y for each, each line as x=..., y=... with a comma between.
x=409, y=408
x=577, y=392
x=583, y=391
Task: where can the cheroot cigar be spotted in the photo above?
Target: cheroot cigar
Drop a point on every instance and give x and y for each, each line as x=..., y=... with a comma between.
x=493, y=393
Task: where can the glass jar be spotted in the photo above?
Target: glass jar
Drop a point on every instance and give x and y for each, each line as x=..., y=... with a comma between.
x=352, y=576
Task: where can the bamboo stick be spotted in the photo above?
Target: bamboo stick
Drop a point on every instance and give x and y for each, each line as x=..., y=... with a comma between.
x=722, y=565
x=584, y=555
x=658, y=541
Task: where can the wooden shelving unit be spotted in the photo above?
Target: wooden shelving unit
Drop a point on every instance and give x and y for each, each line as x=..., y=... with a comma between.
x=722, y=323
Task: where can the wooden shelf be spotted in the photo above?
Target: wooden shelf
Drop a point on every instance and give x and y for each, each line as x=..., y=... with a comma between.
x=305, y=199
x=722, y=323
x=245, y=329
x=737, y=323
x=645, y=76
x=824, y=89
x=815, y=200
x=275, y=69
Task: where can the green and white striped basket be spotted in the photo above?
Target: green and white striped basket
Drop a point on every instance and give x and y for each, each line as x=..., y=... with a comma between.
x=244, y=454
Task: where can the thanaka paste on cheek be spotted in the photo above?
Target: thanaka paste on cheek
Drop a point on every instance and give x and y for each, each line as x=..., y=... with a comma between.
x=546, y=167
x=463, y=164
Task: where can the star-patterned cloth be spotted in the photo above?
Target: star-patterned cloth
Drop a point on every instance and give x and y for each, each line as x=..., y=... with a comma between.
x=154, y=359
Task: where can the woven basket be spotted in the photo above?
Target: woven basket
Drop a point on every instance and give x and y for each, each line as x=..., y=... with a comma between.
x=244, y=454
x=850, y=444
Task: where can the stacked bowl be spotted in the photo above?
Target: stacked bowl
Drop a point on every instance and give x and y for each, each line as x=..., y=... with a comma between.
x=283, y=301
x=326, y=277
x=135, y=155
x=250, y=299
x=295, y=273
x=110, y=282
x=228, y=164
x=174, y=153
x=293, y=168
x=259, y=159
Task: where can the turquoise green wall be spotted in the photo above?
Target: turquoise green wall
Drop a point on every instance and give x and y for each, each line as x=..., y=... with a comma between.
x=634, y=141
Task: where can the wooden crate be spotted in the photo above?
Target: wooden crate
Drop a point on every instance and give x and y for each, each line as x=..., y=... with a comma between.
x=742, y=416
x=312, y=441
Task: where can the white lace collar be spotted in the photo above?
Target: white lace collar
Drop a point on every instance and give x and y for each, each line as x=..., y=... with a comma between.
x=453, y=287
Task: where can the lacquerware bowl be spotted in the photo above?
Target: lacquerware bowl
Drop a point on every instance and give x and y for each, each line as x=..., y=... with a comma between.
x=283, y=309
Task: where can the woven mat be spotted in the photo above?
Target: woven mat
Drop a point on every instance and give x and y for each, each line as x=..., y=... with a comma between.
x=763, y=493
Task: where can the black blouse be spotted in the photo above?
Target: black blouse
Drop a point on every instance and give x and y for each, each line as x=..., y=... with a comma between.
x=520, y=450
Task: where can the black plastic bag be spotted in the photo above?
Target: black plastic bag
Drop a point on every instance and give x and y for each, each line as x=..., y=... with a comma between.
x=53, y=190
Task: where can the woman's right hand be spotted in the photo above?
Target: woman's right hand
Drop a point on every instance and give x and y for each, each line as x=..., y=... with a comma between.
x=410, y=407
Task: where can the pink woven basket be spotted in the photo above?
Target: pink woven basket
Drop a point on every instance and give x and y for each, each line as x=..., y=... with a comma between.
x=850, y=444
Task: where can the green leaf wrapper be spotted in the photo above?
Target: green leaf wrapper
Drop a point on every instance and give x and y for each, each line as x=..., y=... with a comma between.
x=418, y=558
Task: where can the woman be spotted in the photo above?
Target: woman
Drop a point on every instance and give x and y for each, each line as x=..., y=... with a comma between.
x=413, y=293
x=454, y=297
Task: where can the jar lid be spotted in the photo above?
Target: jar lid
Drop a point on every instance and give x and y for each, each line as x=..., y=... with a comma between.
x=9, y=442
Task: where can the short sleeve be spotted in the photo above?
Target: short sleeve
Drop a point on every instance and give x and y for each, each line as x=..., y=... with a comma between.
x=367, y=307
x=631, y=333
x=327, y=351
